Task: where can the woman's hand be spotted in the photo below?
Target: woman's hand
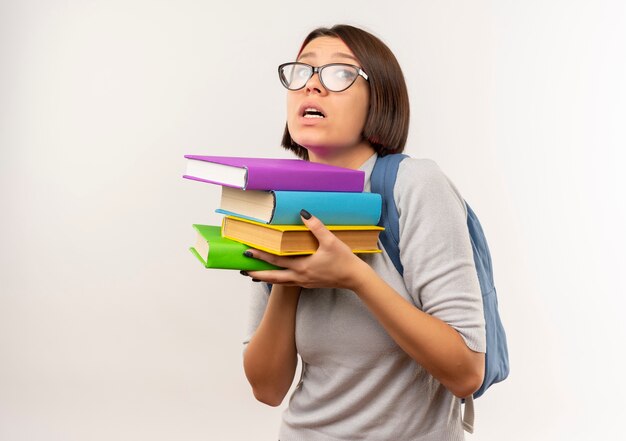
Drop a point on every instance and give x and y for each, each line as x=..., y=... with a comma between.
x=429, y=341
x=333, y=265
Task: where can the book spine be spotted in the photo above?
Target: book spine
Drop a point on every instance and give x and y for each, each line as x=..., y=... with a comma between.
x=304, y=180
x=332, y=208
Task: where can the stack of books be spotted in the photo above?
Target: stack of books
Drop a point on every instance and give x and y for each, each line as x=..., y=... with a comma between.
x=261, y=201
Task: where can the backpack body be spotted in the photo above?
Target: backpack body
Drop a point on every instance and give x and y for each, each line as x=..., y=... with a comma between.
x=382, y=181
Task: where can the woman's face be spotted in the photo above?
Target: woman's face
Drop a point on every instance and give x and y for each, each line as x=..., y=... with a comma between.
x=343, y=114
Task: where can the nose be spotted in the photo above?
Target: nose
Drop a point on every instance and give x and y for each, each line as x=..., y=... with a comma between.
x=314, y=85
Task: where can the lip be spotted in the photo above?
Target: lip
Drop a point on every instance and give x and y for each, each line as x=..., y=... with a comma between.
x=310, y=104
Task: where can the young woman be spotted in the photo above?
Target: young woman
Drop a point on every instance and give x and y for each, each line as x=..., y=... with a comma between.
x=384, y=357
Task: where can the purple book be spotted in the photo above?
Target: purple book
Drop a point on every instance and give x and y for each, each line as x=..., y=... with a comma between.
x=272, y=174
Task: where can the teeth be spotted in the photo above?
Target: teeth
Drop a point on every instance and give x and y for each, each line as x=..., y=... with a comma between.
x=311, y=112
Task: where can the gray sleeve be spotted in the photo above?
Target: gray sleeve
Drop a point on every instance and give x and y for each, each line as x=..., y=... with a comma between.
x=257, y=304
x=436, y=251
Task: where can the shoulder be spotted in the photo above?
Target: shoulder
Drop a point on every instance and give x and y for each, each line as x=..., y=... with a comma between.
x=425, y=164
x=424, y=179
x=415, y=171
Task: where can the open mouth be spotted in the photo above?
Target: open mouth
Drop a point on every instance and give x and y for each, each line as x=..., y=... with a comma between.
x=312, y=112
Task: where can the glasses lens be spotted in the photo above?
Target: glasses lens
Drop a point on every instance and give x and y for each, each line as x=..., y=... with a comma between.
x=338, y=77
x=295, y=75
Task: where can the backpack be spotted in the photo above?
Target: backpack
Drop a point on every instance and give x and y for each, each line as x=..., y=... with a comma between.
x=382, y=181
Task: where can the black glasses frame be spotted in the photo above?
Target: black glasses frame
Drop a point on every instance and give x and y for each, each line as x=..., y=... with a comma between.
x=318, y=70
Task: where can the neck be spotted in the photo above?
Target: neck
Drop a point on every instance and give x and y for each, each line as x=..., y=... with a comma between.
x=353, y=157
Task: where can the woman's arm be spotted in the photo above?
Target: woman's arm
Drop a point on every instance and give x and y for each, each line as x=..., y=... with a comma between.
x=429, y=341
x=270, y=359
x=432, y=343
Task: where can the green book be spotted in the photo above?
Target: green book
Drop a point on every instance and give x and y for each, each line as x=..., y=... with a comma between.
x=215, y=251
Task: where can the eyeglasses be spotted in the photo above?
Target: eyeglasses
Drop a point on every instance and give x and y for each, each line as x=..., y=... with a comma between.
x=335, y=77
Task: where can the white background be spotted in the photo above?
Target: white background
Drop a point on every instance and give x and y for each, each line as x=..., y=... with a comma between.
x=111, y=330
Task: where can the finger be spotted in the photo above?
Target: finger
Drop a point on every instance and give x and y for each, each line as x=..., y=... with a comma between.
x=277, y=277
x=280, y=261
x=319, y=230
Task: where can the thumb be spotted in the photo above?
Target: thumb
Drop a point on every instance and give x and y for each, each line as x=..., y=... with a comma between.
x=316, y=226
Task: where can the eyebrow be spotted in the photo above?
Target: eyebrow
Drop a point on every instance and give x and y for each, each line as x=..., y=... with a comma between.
x=336, y=54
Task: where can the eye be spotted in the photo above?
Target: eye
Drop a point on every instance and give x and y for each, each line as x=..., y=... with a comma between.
x=345, y=73
x=302, y=71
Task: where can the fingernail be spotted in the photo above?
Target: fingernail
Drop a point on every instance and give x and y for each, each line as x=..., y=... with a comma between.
x=305, y=214
x=255, y=280
x=243, y=273
x=247, y=253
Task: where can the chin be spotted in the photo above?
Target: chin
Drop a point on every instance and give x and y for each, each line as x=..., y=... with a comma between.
x=310, y=143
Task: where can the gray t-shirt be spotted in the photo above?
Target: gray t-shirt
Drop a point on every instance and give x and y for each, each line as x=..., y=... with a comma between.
x=357, y=383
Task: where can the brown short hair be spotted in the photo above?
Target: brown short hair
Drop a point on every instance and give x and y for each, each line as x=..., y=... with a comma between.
x=387, y=124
